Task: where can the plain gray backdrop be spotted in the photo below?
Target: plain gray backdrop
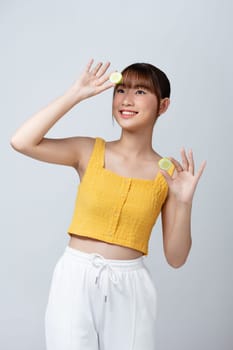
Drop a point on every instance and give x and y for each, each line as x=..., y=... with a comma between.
x=44, y=47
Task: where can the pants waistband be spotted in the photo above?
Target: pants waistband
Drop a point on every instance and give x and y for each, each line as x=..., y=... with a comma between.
x=96, y=258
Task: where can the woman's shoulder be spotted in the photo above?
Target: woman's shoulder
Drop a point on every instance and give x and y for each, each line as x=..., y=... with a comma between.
x=85, y=142
x=86, y=145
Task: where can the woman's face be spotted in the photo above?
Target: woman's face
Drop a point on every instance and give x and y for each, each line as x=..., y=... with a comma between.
x=134, y=106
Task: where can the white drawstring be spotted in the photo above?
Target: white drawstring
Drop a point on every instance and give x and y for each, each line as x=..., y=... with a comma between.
x=99, y=261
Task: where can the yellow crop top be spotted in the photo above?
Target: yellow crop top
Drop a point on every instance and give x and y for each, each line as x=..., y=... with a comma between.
x=114, y=208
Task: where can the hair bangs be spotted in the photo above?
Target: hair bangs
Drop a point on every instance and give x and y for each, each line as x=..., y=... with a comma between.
x=134, y=79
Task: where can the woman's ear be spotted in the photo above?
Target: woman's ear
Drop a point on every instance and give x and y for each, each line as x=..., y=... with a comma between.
x=164, y=104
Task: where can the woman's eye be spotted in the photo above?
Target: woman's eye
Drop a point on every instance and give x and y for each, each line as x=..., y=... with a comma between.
x=140, y=92
x=120, y=91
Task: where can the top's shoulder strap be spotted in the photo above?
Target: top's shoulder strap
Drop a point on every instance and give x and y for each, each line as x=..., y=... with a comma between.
x=97, y=156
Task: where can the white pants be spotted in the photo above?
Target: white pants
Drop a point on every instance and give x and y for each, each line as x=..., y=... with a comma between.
x=96, y=303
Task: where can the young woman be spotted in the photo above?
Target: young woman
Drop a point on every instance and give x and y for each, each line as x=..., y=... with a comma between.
x=102, y=295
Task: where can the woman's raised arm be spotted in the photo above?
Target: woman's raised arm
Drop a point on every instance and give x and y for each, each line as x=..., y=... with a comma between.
x=29, y=138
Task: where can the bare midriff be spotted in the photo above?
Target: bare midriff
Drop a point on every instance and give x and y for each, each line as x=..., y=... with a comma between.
x=107, y=250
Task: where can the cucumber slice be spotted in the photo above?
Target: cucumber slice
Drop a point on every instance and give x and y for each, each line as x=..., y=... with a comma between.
x=116, y=78
x=165, y=164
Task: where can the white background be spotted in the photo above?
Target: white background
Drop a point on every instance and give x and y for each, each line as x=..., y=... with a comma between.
x=44, y=47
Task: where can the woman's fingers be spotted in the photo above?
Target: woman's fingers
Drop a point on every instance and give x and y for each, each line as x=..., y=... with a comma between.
x=187, y=161
x=88, y=66
x=201, y=169
x=184, y=158
x=103, y=79
x=93, y=80
x=96, y=68
x=178, y=166
x=191, y=162
x=103, y=69
x=98, y=71
x=103, y=84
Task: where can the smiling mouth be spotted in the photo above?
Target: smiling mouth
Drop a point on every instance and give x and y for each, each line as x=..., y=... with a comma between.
x=128, y=114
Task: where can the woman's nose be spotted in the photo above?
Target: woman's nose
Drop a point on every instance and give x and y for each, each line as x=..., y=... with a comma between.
x=127, y=100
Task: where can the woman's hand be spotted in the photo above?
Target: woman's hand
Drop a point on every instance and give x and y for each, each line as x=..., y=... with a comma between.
x=92, y=81
x=183, y=182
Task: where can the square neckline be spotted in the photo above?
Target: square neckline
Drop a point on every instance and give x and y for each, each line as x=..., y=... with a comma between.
x=157, y=176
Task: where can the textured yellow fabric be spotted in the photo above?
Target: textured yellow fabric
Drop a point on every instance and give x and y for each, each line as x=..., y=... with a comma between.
x=114, y=208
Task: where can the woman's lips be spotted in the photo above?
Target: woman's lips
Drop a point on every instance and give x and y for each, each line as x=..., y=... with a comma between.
x=127, y=114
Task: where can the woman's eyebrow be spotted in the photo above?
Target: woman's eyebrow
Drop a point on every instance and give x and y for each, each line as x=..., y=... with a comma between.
x=139, y=86
x=132, y=86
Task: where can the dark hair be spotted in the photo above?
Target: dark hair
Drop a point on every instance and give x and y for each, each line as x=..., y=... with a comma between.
x=148, y=76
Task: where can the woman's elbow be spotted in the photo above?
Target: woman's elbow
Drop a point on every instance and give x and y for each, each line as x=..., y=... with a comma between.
x=176, y=264
x=19, y=145
x=16, y=145
x=176, y=261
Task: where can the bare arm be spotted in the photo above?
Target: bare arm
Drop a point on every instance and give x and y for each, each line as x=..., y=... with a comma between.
x=176, y=212
x=29, y=138
x=176, y=222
